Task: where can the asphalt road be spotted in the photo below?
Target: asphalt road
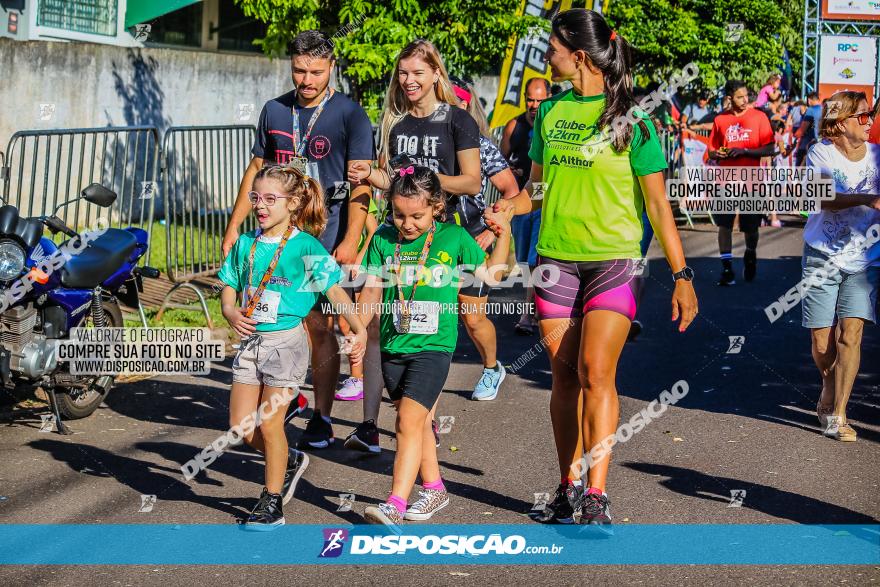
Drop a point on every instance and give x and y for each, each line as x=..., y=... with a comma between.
x=747, y=423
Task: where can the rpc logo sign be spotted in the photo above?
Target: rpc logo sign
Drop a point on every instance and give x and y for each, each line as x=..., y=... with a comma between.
x=852, y=47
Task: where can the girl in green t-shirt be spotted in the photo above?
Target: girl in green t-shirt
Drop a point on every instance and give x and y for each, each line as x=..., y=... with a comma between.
x=414, y=268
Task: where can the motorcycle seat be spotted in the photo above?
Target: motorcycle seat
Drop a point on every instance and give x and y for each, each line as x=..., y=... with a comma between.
x=101, y=258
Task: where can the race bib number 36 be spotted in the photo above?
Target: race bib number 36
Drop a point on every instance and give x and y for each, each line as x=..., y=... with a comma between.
x=266, y=311
x=423, y=317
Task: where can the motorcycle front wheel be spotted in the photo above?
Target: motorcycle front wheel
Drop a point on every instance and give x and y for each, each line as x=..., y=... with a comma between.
x=74, y=403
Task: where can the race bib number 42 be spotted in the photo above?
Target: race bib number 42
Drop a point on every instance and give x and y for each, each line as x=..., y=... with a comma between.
x=423, y=317
x=266, y=311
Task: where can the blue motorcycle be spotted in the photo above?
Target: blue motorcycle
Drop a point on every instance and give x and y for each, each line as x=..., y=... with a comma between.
x=48, y=289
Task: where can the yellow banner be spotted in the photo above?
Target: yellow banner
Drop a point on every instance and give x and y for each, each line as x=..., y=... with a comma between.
x=524, y=61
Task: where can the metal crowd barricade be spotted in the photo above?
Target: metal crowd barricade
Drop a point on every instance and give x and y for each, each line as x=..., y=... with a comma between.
x=202, y=168
x=44, y=168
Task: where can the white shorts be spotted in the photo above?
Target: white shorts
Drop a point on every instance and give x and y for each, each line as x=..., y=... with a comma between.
x=277, y=359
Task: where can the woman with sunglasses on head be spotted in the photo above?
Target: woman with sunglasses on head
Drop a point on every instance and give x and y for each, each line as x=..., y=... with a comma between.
x=842, y=254
x=596, y=176
x=278, y=270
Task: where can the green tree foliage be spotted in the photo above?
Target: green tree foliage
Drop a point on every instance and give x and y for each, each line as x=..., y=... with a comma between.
x=668, y=34
x=472, y=35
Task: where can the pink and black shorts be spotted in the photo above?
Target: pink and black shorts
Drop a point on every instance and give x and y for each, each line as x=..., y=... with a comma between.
x=583, y=286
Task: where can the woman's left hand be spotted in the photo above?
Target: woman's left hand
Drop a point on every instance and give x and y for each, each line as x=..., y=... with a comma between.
x=684, y=303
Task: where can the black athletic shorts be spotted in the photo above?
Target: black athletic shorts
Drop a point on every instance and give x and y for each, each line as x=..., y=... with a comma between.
x=418, y=376
x=747, y=222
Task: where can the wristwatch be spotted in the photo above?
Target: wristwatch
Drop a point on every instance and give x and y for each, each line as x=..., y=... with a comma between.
x=687, y=274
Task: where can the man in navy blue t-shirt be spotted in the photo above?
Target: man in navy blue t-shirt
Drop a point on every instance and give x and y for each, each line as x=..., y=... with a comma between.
x=341, y=134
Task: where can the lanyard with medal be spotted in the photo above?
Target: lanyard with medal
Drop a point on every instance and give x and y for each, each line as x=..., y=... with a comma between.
x=254, y=299
x=406, y=306
x=300, y=158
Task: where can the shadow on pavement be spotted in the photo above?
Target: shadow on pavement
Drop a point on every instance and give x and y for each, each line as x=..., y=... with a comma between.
x=763, y=498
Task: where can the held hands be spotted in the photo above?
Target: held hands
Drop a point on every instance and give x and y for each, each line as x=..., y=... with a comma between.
x=355, y=347
x=242, y=324
x=505, y=207
x=485, y=239
x=358, y=171
x=499, y=222
x=684, y=303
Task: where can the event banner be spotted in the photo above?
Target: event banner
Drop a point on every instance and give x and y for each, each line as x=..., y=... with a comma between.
x=847, y=63
x=524, y=61
x=851, y=9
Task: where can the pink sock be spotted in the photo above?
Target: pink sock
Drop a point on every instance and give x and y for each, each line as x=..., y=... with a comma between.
x=397, y=502
x=435, y=485
x=595, y=490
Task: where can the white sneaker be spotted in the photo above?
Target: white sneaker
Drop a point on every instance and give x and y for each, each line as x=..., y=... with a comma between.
x=352, y=390
x=838, y=429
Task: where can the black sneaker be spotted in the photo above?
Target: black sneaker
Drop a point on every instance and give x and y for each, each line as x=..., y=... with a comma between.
x=436, y=430
x=750, y=261
x=267, y=514
x=596, y=511
x=364, y=438
x=297, y=461
x=318, y=433
x=727, y=276
x=561, y=509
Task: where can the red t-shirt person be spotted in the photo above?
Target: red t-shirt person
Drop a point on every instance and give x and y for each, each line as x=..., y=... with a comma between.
x=749, y=130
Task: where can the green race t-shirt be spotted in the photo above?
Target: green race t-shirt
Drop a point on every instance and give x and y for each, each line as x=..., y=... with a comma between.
x=304, y=271
x=593, y=204
x=438, y=282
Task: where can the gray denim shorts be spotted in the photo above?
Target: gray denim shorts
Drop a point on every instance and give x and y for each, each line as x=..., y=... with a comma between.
x=276, y=359
x=839, y=295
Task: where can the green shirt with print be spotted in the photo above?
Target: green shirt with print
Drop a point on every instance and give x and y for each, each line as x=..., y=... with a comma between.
x=304, y=271
x=438, y=282
x=593, y=204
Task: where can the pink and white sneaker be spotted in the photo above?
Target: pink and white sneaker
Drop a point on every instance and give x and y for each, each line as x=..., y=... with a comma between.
x=352, y=390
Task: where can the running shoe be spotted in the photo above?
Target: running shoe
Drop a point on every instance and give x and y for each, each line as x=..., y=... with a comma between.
x=488, y=385
x=561, y=509
x=822, y=412
x=838, y=429
x=352, y=390
x=384, y=513
x=364, y=438
x=429, y=503
x=267, y=514
x=595, y=510
x=297, y=461
x=750, y=260
x=727, y=277
x=296, y=407
x=436, y=430
x=635, y=329
x=318, y=433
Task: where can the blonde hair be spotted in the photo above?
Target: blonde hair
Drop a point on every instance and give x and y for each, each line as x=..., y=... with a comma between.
x=311, y=216
x=840, y=106
x=475, y=109
x=397, y=105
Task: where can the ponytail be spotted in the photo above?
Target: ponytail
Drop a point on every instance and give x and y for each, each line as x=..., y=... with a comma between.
x=311, y=216
x=580, y=29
